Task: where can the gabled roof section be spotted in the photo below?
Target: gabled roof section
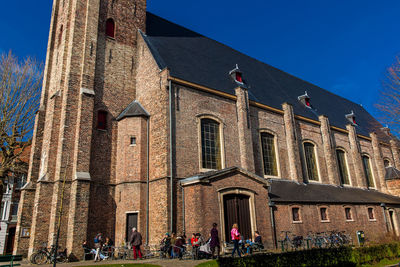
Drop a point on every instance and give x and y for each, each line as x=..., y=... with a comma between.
x=290, y=191
x=392, y=173
x=197, y=59
x=207, y=177
x=134, y=109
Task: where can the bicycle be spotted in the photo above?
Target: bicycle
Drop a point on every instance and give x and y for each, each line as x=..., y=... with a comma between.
x=44, y=255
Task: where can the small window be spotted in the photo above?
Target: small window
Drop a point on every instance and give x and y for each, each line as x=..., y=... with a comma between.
x=323, y=213
x=371, y=214
x=386, y=163
x=239, y=77
x=133, y=141
x=269, y=154
x=368, y=171
x=343, y=172
x=349, y=216
x=60, y=35
x=296, y=214
x=110, y=28
x=311, y=161
x=102, y=120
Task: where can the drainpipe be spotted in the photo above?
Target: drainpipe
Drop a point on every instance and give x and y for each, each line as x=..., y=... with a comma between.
x=147, y=180
x=183, y=210
x=383, y=205
x=171, y=181
x=271, y=205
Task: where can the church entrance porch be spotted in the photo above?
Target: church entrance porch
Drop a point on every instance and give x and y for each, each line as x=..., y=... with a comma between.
x=225, y=197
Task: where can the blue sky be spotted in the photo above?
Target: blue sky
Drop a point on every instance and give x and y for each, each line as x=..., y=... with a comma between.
x=342, y=46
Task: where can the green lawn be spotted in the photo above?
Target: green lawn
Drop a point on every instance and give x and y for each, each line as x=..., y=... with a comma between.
x=208, y=264
x=383, y=263
x=124, y=265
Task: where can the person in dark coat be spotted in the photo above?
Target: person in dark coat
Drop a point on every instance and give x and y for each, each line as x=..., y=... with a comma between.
x=178, y=247
x=136, y=241
x=214, y=242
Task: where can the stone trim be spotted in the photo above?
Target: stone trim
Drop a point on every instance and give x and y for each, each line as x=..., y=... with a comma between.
x=82, y=176
x=87, y=91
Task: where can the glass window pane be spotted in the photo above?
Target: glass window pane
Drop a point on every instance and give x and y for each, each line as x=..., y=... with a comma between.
x=210, y=144
x=368, y=172
x=311, y=161
x=343, y=173
x=269, y=154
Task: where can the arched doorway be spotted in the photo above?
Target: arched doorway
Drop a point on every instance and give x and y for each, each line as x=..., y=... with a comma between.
x=237, y=210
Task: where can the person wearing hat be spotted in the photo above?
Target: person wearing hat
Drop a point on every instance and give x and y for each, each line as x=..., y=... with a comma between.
x=165, y=244
x=136, y=242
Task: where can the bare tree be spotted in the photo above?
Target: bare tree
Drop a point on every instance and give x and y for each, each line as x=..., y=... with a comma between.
x=20, y=86
x=389, y=98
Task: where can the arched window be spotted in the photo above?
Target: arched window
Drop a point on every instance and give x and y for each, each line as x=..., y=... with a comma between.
x=311, y=161
x=110, y=28
x=102, y=120
x=210, y=144
x=368, y=171
x=269, y=154
x=342, y=166
x=386, y=163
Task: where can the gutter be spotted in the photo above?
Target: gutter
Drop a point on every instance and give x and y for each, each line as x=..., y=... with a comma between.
x=171, y=181
x=147, y=181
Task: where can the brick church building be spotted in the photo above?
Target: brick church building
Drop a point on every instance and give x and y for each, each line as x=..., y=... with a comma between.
x=156, y=126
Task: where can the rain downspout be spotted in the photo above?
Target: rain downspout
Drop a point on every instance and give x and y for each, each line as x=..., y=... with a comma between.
x=183, y=210
x=171, y=181
x=383, y=205
x=148, y=182
x=271, y=205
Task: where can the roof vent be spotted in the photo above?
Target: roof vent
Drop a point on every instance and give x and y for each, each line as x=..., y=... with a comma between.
x=351, y=118
x=236, y=75
x=305, y=100
x=386, y=130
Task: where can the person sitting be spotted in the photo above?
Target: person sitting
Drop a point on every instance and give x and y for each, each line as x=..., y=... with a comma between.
x=88, y=250
x=195, y=246
x=108, y=247
x=178, y=248
x=257, y=244
x=165, y=244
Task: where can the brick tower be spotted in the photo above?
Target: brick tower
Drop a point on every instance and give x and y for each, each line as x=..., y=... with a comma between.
x=89, y=77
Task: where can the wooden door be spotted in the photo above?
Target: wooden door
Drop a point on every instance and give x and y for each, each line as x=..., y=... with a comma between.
x=237, y=210
x=131, y=221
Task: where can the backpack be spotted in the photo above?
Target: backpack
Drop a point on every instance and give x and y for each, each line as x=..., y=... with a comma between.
x=96, y=240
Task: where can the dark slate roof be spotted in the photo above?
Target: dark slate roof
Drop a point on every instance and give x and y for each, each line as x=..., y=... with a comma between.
x=289, y=191
x=134, y=109
x=206, y=177
x=392, y=173
x=201, y=60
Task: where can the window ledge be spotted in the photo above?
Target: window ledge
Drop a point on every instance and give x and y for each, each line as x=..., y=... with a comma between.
x=297, y=222
x=102, y=130
x=132, y=145
x=350, y=220
x=372, y=220
x=314, y=182
x=110, y=38
x=271, y=176
x=325, y=221
x=208, y=170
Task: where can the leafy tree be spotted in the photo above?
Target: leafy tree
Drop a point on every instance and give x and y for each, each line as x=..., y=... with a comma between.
x=20, y=87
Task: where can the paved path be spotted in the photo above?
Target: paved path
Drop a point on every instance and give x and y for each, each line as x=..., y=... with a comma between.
x=164, y=263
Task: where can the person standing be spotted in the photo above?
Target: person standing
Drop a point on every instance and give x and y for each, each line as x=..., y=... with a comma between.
x=214, y=243
x=98, y=242
x=136, y=242
x=235, y=238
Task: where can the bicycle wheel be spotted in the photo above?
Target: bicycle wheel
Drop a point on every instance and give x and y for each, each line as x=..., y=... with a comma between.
x=41, y=258
x=32, y=258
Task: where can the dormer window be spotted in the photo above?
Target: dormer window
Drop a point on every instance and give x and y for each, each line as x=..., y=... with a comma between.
x=236, y=75
x=305, y=100
x=351, y=118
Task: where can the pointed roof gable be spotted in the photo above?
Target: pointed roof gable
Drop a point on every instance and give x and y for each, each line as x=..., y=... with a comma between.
x=134, y=109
